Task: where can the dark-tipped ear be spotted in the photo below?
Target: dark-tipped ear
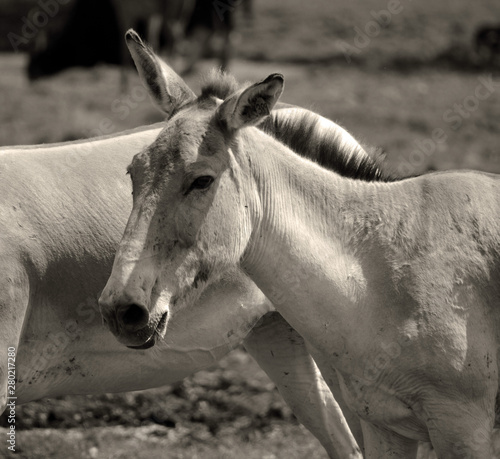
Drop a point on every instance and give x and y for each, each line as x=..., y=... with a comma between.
x=167, y=89
x=251, y=105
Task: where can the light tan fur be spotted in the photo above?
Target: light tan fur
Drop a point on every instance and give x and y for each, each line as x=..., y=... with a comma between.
x=394, y=285
x=63, y=210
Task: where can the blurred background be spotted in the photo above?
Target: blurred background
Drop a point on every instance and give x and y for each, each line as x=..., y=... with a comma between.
x=419, y=79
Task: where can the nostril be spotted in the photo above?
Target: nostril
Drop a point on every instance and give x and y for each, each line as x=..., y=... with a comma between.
x=133, y=316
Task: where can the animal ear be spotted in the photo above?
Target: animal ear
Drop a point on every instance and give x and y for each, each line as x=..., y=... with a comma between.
x=251, y=105
x=167, y=89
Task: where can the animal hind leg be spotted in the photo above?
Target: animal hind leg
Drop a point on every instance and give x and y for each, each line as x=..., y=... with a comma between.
x=198, y=44
x=281, y=353
x=226, y=52
x=13, y=307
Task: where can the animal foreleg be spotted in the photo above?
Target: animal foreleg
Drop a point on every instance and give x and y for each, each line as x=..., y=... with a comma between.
x=384, y=444
x=281, y=353
x=330, y=376
x=461, y=430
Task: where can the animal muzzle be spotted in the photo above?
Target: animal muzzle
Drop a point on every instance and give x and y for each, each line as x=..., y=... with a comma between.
x=126, y=315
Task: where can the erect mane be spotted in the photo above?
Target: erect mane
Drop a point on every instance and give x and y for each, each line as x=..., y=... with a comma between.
x=217, y=83
x=331, y=147
x=301, y=131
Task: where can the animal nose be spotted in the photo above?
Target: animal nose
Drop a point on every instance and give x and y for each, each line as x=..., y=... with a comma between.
x=132, y=317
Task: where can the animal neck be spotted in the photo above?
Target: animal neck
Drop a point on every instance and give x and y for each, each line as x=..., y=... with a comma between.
x=314, y=234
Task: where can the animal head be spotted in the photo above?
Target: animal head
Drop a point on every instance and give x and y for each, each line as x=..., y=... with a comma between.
x=191, y=220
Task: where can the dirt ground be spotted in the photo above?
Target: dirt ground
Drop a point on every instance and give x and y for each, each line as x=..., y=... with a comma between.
x=416, y=89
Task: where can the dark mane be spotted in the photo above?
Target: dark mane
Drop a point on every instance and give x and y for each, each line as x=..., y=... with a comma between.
x=218, y=84
x=302, y=133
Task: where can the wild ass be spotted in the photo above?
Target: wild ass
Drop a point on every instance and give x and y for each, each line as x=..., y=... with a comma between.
x=64, y=208
x=394, y=285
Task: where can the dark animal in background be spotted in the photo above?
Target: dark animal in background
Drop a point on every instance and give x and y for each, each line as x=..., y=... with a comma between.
x=167, y=24
x=487, y=44
x=97, y=22
x=211, y=20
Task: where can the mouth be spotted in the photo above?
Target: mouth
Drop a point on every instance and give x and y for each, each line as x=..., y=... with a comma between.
x=159, y=332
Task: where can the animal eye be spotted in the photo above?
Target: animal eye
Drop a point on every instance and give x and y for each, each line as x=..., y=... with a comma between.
x=201, y=183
